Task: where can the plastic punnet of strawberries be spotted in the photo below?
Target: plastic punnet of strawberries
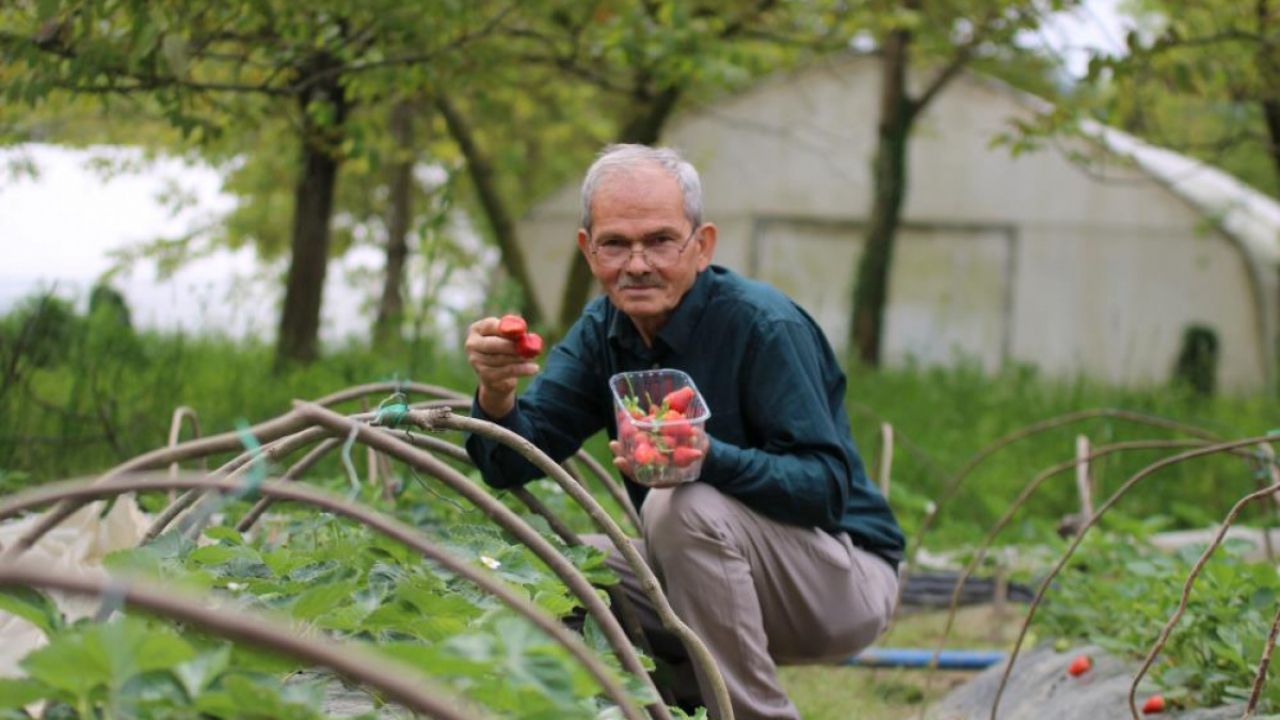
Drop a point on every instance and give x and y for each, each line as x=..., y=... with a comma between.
x=660, y=419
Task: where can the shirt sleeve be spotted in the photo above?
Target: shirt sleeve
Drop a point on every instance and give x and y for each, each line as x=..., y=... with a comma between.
x=797, y=470
x=559, y=410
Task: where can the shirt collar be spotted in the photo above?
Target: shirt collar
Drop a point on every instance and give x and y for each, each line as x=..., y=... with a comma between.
x=677, y=333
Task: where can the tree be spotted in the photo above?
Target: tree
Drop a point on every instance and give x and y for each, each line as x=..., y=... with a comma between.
x=938, y=39
x=215, y=68
x=652, y=55
x=386, y=326
x=1203, y=78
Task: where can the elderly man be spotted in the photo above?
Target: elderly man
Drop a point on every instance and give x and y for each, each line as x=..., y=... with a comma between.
x=782, y=551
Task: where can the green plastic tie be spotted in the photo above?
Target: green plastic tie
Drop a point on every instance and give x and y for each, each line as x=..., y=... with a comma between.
x=258, y=473
x=248, y=489
x=391, y=414
x=352, y=476
x=393, y=410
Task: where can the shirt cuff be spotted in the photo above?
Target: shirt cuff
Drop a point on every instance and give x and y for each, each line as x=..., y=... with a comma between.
x=717, y=466
x=508, y=421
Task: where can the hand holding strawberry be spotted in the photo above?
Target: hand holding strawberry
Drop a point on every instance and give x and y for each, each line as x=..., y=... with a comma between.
x=499, y=351
x=512, y=327
x=529, y=346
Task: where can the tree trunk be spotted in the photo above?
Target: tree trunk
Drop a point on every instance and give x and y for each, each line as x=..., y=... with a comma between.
x=644, y=128
x=313, y=206
x=889, y=173
x=504, y=230
x=1270, y=57
x=386, y=328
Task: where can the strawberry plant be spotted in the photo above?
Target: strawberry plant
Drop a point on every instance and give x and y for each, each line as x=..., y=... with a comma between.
x=131, y=667
x=416, y=594
x=335, y=578
x=1119, y=591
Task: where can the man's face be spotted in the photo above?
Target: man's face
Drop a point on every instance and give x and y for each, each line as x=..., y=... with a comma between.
x=635, y=207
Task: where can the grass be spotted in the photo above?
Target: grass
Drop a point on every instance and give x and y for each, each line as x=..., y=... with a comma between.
x=845, y=693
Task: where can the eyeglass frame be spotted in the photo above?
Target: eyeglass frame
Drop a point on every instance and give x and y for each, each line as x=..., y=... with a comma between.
x=644, y=252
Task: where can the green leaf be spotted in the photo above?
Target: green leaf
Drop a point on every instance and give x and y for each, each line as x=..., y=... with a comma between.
x=199, y=672
x=75, y=663
x=17, y=692
x=436, y=660
x=46, y=9
x=225, y=534
x=215, y=555
x=252, y=659
x=156, y=693
x=243, y=697
x=33, y=606
x=321, y=599
x=174, y=49
x=131, y=646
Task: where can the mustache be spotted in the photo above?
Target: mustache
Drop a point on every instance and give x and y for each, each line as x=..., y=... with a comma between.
x=644, y=280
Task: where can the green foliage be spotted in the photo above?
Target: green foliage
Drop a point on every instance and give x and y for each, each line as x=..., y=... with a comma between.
x=1118, y=592
x=94, y=386
x=39, y=332
x=341, y=580
x=1198, y=78
x=131, y=667
x=350, y=583
x=942, y=418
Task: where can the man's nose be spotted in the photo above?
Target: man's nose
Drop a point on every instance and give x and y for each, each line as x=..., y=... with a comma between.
x=637, y=262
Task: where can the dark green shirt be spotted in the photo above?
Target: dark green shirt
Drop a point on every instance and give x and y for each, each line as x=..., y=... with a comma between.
x=780, y=439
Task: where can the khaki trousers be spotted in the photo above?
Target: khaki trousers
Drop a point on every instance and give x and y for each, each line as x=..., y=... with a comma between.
x=758, y=592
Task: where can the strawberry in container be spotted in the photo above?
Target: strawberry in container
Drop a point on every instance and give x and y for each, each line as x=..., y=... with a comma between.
x=661, y=420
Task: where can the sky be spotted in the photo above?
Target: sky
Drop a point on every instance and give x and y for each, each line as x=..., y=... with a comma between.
x=1095, y=25
x=58, y=230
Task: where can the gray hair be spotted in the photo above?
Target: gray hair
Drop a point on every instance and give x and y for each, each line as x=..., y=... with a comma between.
x=620, y=158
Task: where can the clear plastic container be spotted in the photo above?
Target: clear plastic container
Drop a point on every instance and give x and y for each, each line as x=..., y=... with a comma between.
x=661, y=420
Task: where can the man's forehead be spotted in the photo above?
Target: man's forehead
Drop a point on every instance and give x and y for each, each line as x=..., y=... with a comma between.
x=645, y=195
x=630, y=232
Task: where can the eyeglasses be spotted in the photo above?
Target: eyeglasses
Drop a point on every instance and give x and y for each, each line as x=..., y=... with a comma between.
x=659, y=251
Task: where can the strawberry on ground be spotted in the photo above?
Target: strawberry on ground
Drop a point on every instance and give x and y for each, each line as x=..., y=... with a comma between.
x=1079, y=665
x=1153, y=705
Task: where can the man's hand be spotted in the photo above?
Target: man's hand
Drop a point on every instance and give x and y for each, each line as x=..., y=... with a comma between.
x=498, y=366
x=619, y=460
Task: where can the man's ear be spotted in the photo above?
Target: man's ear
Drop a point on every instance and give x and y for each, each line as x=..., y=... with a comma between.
x=583, y=242
x=706, y=245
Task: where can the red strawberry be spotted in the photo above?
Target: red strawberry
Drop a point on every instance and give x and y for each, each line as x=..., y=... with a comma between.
x=1153, y=705
x=676, y=431
x=644, y=454
x=679, y=400
x=685, y=456
x=529, y=345
x=1079, y=665
x=512, y=327
x=626, y=430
